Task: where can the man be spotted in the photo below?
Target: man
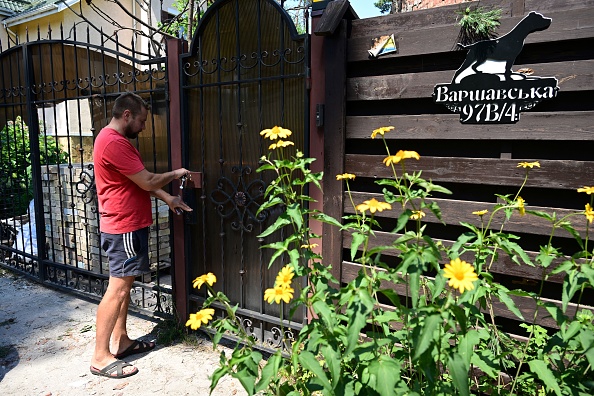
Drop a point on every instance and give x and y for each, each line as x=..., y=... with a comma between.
x=124, y=188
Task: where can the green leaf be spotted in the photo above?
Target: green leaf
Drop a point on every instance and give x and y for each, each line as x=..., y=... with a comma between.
x=332, y=359
x=280, y=222
x=269, y=371
x=384, y=373
x=217, y=375
x=543, y=372
x=459, y=372
x=427, y=334
x=324, y=218
x=466, y=346
x=509, y=303
x=294, y=213
x=359, y=307
x=247, y=380
x=402, y=220
x=392, y=296
x=357, y=240
x=309, y=361
x=485, y=360
x=576, y=235
x=563, y=267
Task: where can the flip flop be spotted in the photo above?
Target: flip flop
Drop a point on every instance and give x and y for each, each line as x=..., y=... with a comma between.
x=136, y=347
x=116, y=367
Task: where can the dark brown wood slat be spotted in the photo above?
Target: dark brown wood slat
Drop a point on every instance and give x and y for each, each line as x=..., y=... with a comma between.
x=454, y=212
x=556, y=5
x=572, y=76
x=420, y=19
x=561, y=174
x=526, y=305
x=568, y=25
x=532, y=126
x=503, y=265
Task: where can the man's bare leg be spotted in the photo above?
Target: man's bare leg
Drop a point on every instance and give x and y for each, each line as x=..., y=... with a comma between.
x=119, y=336
x=108, y=312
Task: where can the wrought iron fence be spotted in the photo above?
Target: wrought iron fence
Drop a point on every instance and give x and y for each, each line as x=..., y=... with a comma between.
x=55, y=96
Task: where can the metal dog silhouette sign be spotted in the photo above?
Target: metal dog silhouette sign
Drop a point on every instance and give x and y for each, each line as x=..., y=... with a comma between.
x=485, y=89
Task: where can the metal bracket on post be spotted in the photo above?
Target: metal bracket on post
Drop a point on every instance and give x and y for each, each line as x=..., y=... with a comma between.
x=320, y=115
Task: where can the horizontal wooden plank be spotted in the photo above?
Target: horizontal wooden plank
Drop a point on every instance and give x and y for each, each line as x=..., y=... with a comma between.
x=532, y=126
x=561, y=174
x=455, y=212
x=504, y=265
x=543, y=6
x=414, y=41
x=527, y=306
x=571, y=76
x=420, y=19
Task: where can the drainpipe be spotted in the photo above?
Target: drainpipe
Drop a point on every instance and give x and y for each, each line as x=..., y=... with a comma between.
x=16, y=38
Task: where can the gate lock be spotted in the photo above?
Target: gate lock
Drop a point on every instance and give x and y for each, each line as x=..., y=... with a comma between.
x=187, y=190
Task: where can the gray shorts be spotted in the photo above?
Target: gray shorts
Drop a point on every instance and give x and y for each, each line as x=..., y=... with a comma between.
x=127, y=253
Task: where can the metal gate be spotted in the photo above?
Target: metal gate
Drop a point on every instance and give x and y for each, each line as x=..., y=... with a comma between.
x=55, y=96
x=246, y=71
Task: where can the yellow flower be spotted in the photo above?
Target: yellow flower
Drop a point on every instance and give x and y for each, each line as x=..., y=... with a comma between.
x=392, y=159
x=480, y=212
x=310, y=246
x=587, y=190
x=199, y=318
x=276, y=132
x=400, y=155
x=280, y=143
x=278, y=293
x=417, y=215
x=373, y=205
x=381, y=131
x=589, y=213
x=209, y=278
x=284, y=277
x=528, y=164
x=344, y=176
x=461, y=275
x=521, y=207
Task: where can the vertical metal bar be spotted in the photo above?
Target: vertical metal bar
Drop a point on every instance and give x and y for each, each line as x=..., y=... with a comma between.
x=35, y=161
x=221, y=137
x=241, y=173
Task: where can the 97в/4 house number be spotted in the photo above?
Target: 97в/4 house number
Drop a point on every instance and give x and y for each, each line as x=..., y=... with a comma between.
x=489, y=112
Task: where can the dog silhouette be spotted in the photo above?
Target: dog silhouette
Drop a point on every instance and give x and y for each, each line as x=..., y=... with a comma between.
x=497, y=56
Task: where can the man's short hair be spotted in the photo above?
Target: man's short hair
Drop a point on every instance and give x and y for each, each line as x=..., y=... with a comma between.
x=128, y=101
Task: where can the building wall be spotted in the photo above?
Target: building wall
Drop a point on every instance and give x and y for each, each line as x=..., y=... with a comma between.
x=70, y=22
x=411, y=5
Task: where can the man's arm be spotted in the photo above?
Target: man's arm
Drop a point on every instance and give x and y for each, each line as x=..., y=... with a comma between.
x=149, y=181
x=174, y=202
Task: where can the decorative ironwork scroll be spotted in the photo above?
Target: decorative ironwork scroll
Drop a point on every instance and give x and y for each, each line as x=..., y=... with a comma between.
x=239, y=201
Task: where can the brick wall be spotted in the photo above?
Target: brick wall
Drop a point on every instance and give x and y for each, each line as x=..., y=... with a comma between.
x=411, y=5
x=72, y=228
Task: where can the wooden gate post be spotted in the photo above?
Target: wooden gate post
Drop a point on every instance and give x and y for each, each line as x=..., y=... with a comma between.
x=332, y=30
x=180, y=281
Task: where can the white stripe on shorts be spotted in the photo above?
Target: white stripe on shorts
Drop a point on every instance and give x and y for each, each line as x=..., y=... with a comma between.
x=128, y=244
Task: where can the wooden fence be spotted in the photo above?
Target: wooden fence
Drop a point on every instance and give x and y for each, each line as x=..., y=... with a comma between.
x=474, y=161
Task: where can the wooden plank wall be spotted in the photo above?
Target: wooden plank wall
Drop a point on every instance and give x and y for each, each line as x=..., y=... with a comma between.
x=475, y=161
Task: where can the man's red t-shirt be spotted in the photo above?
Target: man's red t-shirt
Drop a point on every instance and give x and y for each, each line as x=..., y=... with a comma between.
x=123, y=206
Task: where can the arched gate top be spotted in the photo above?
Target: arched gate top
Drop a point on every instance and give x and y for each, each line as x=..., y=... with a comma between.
x=212, y=11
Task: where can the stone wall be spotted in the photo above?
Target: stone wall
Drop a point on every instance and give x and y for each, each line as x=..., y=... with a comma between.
x=71, y=221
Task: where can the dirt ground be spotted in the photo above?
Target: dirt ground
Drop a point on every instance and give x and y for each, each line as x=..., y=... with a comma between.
x=47, y=339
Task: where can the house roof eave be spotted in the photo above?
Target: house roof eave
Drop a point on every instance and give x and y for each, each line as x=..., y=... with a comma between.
x=39, y=12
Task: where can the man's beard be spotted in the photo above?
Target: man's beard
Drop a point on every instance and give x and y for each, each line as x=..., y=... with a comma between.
x=130, y=134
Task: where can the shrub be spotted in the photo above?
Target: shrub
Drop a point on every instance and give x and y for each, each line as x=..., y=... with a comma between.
x=439, y=340
x=16, y=190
